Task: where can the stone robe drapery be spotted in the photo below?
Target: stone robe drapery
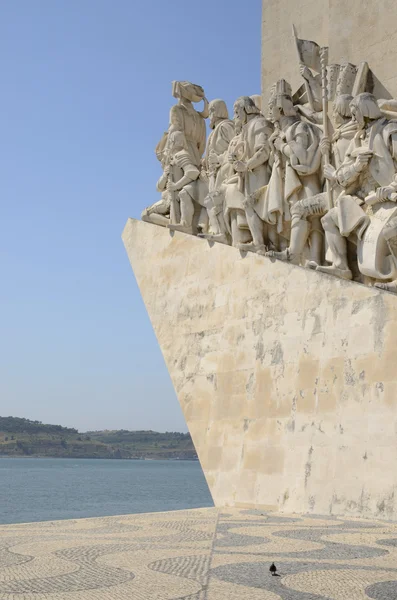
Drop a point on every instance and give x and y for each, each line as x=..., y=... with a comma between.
x=192, y=125
x=341, y=140
x=301, y=173
x=218, y=143
x=252, y=147
x=255, y=152
x=374, y=258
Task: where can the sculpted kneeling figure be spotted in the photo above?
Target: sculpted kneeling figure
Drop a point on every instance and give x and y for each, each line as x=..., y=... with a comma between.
x=187, y=187
x=260, y=184
x=159, y=212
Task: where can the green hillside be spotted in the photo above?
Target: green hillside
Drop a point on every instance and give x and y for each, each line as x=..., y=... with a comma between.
x=22, y=437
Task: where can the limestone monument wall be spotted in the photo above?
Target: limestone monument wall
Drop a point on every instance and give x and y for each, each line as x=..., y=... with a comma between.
x=287, y=377
x=354, y=31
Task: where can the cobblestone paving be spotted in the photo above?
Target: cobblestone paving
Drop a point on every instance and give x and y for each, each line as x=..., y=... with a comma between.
x=203, y=554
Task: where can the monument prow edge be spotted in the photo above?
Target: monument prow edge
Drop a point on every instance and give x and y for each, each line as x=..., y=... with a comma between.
x=286, y=376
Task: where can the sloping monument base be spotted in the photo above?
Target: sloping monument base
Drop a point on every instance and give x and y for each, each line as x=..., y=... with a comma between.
x=287, y=378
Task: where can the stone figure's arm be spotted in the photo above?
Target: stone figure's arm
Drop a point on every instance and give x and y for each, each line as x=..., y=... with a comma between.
x=313, y=116
x=316, y=87
x=233, y=151
x=261, y=148
x=303, y=151
x=296, y=149
x=230, y=154
x=190, y=173
x=350, y=170
x=384, y=193
x=314, y=83
x=346, y=174
x=261, y=156
x=282, y=147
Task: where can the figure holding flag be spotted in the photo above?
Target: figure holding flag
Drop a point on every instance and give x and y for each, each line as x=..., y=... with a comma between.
x=309, y=56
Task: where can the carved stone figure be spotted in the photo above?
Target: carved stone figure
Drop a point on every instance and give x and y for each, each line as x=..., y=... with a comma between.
x=248, y=154
x=310, y=68
x=269, y=185
x=367, y=203
x=313, y=88
x=185, y=118
x=218, y=169
x=297, y=175
x=345, y=128
x=316, y=206
x=159, y=212
x=187, y=181
x=187, y=185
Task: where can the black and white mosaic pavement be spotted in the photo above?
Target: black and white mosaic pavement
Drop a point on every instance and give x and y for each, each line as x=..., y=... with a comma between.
x=203, y=554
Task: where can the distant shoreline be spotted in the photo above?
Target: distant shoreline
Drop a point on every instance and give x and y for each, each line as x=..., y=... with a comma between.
x=25, y=438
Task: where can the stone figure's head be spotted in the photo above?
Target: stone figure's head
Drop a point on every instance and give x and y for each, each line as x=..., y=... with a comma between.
x=217, y=110
x=364, y=108
x=177, y=148
x=280, y=101
x=281, y=106
x=243, y=107
x=162, y=148
x=342, y=111
x=176, y=141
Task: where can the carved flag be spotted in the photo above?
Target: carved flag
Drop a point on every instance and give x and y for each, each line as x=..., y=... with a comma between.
x=309, y=53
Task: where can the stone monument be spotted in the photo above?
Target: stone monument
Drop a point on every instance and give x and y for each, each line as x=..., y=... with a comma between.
x=269, y=269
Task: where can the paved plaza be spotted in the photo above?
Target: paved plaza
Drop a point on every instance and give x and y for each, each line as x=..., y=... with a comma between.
x=203, y=554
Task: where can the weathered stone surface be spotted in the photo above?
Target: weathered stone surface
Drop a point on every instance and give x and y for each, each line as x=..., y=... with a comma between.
x=286, y=376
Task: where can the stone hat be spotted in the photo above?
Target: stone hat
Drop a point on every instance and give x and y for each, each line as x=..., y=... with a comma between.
x=190, y=91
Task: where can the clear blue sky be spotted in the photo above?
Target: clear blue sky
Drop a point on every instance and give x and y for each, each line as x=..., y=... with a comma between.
x=85, y=96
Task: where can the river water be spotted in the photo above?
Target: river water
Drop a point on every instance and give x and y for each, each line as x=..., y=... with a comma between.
x=43, y=489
